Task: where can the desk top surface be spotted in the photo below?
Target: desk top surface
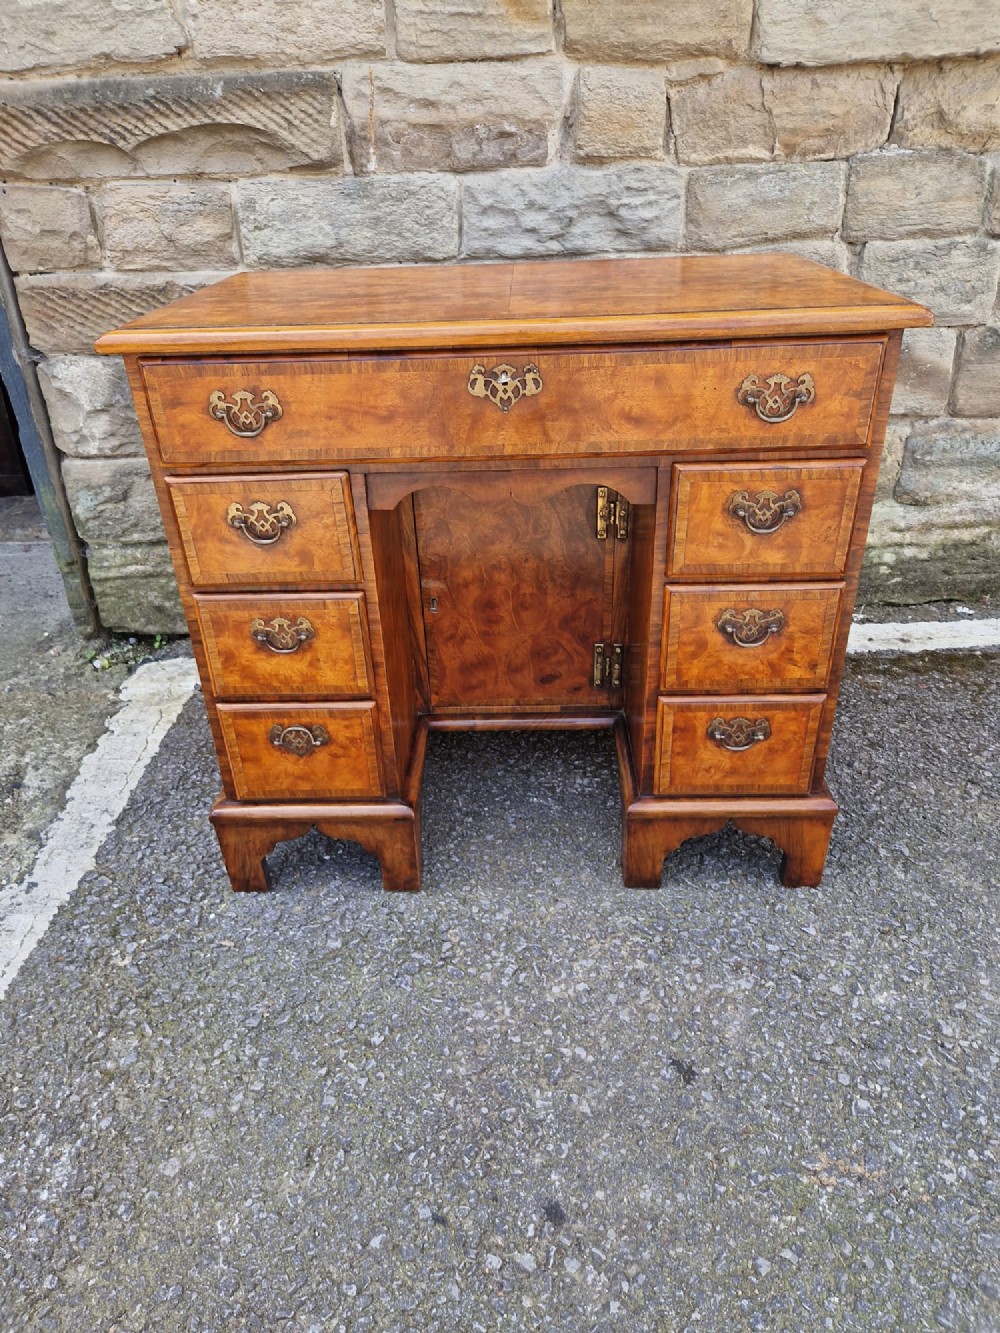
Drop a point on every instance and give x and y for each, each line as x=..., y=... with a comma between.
x=537, y=303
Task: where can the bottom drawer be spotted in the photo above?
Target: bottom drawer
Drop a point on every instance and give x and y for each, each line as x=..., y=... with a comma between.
x=311, y=752
x=762, y=745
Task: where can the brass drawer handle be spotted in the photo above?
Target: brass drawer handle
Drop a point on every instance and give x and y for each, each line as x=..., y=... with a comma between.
x=750, y=628
x=280, y=635
x=298, y=740
x=262, y=525
x=739, y=733
x=775, y=397
x=766, y=512
x=242, y=416
x=503, y=385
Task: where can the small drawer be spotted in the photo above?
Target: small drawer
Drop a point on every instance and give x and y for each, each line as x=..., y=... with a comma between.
x=761, y=746
x=786, y=518
x=310, y=752
x=260, y=530
x=286, y=647
x=741, y=637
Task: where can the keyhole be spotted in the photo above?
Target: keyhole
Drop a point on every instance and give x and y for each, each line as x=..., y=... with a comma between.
x=433, y=606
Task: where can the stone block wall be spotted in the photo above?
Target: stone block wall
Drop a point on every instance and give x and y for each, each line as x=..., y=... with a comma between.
x=149, y=147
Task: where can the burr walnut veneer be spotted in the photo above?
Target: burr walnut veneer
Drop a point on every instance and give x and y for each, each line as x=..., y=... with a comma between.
x=629, y=494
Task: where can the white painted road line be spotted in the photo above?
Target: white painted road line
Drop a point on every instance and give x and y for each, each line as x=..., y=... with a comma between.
x=924, y=636
x=152, y=699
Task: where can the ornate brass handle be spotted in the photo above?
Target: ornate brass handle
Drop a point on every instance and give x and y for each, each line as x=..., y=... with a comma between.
x=766, y=511
x=298, y=740
x=280, y=635
x=750, y=628
x=503, y=385
x=775, y=397
x=241, y=414
x=739, y=733
x=262, y=525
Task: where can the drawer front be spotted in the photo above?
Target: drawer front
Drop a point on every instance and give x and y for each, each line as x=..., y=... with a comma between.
x=787, y=518
x=773, y=636
x=267, y=529
x=286, y=647
x=736, y=746
x=518, y=403
x=311, y=752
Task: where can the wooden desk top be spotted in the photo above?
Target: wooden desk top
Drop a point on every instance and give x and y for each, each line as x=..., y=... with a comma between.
x=534, y=303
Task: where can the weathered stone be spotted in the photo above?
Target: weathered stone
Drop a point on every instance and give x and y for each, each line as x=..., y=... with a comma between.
x=977, y=383
x=832, y=114
x=947, y=462
x=952, y=105
x=697, y=67
x=53, y=33
x=472, y=29
x=228, y=124
x=135, y=589
x=832, y=254
x=895, y=194
x=356, y=220
x=956, y=278
x=47, y=227
x=66, y=312
x=923, y=380
x=571, y=210
x=90, y=406
x=168, y=226
x=839, y=31
x=620, y=112
x=112, y=500
x=722, y=119
x=892, y=458
x=453, y=117
x=288, y=34
x=656, y=29
x=993, y=202
x=730, y=207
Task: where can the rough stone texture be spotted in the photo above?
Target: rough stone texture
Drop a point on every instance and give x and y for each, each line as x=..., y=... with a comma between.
x=90, y=406
x=168, y=226
x=650, y=30
x=930, y=553
x=947, y=462
x=830, y=114
x=40, y=34
x=227, y=124
x=112, y=500
x=955, y=104
x=732, y=207
x=722, y=119
x=362, y=220
x=992, y=219
x=620, y=112
x=47, y=227
x=923, y=378
x=837, y=31
x=896, y=434
x=472, y=29
x=287, y=34
x=893, y=195
x=453, y=117
x=977, y=380
x=572, y=210
x=957, y=279
x=136, y=589
x=834, y=254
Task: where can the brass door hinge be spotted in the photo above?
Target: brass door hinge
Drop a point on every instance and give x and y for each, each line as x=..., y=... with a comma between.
x=612, y=515
x=608, y=665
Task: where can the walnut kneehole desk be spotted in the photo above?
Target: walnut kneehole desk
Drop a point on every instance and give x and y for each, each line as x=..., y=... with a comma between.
x=600, y=493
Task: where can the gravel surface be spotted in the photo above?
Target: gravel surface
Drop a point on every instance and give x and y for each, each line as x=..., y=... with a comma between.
x=527, y=1097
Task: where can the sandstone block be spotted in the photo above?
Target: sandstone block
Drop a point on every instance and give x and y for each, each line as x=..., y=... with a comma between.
x=893, y=195
x=832, y=114
x=993, y=201
x=733, y=207
x=892, y=458
x=112, y=500
x=651, y=30
x=832, y=253
x=929, y=554
x=356, y=220
x=722, y=119
x=49, y=34
x=168, y=226
x=453, y=117
x=923, y=380
x=952, y=105
x=135, y=589
x=620, y=112
x=227, y=124
x=47, y=227
x=472, y=29
x=951, y=462
x=90, y=406
x=957, y=279
x=977, y=383
x=570, y=210
x=839, y=31
x=280, y=33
